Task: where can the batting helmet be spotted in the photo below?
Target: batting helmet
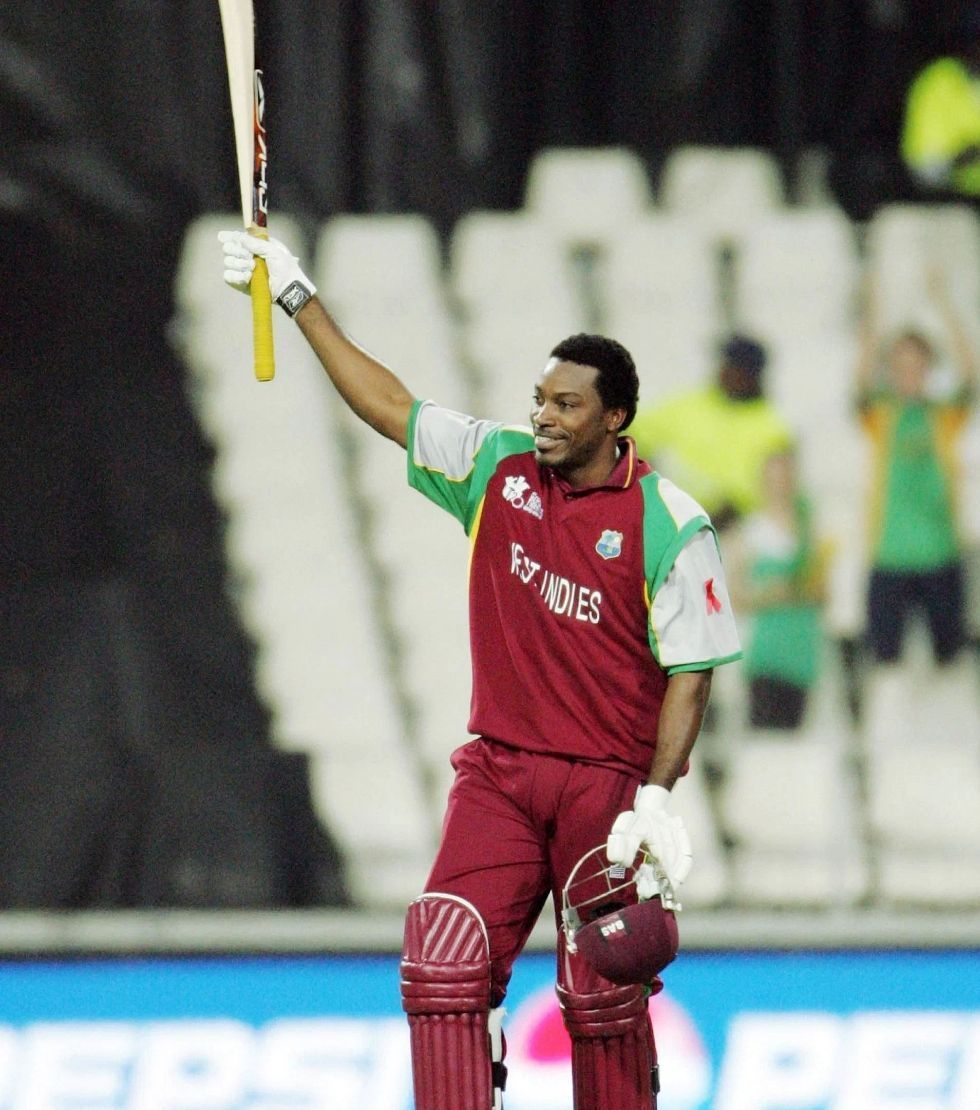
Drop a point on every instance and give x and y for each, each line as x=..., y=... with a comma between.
x=623, y=939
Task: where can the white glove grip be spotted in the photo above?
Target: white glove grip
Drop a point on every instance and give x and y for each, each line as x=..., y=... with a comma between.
x=289, y=286
x=651, y=827
x=651, y=798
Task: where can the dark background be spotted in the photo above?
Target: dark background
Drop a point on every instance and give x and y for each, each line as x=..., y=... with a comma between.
x=135, y=763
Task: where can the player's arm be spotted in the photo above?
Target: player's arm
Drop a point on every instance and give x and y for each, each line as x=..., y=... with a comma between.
x=964, y=355
x=694, y=630
x=681, y=717
x=368, y=387
x=869, y=338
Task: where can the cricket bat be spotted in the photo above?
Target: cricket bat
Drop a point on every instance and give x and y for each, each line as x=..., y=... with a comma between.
x=248, y=113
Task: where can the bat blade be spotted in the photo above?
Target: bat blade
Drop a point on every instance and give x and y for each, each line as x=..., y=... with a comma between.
x=247, y=109
x=265, y=366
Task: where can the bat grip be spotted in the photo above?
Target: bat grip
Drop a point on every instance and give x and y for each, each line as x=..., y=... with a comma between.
x=265, y=362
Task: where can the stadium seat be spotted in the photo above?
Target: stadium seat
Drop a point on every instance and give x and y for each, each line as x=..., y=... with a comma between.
x=709, y=882
x=924, y=811
x=797, y=273
x=722, y=188
x=810, y=378
x=291, y=536
x=659, y=286
x=382, y=276
x=585, y=194
x=512, y=284
x=915, y=704
x=789, y=803
x=904, y=241
x=383, y=819
x=418, y=550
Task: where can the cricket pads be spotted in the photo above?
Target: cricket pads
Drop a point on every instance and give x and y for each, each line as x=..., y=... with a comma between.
x=445, y=985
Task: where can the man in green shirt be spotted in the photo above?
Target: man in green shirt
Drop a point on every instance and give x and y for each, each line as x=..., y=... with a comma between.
x=916, y=558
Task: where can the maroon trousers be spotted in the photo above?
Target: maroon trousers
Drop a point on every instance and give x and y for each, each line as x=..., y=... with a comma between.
x=516, y=824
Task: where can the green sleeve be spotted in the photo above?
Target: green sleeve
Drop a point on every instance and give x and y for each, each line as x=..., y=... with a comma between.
x=454, y=457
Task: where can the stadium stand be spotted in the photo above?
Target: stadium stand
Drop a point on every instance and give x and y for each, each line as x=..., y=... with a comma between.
x=420, y=570
x=321, y=522
x=710, y=882
x=300, y=577
x=904, y=240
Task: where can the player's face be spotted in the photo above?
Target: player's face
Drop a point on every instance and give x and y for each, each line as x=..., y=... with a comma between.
x=572, y=431
x=909, y=368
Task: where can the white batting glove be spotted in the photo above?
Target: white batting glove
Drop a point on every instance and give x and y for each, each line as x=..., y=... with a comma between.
x=289, y=286
x=648, y=826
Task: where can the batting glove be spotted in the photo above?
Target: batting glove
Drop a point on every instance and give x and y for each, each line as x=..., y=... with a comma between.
x=289, y=286
x=648, y=826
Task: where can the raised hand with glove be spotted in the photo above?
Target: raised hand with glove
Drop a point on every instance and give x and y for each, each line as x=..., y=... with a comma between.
x=289, y=286
x=649, y=827
x=372, y=391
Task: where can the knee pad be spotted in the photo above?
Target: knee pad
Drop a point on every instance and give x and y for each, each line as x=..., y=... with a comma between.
x=445, y=987
x=614, y=1060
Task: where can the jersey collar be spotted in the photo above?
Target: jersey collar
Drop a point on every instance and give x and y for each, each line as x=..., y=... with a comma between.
x=624, y=474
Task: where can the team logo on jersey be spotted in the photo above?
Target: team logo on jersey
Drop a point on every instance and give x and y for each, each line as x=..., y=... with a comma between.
x=712, y=604
x=610, y=544
x=517, y=490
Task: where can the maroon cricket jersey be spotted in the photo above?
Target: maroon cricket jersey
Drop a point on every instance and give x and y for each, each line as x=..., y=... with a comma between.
x=582, y=601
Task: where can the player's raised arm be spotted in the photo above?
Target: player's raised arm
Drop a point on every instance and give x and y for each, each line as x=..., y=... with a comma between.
x=869, y=338
x=964, y=355
x=371, y=390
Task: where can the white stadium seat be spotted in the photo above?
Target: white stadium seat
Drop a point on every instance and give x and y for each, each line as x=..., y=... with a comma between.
x=382, y=276
x=790, y=804
x=722, y=188
x=660, y=297
x=709, y=883
x=585, y=194
x=512, y=285
x=797, y=272
x=383, y=820
x=810, y=380
x=924, y=809
x=903, y=242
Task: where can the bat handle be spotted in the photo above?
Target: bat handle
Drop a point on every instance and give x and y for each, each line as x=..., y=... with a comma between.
x=265, y=360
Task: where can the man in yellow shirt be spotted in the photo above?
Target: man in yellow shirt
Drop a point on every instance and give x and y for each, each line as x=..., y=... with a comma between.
x=940, y=141
x=715, y=440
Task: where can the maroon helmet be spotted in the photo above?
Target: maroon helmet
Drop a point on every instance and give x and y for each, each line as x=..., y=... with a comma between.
x=623, y=939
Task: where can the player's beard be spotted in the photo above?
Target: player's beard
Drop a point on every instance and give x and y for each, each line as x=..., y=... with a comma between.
x=569, y=453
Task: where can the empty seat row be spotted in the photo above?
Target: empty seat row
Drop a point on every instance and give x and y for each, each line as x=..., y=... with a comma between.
x=322, y=525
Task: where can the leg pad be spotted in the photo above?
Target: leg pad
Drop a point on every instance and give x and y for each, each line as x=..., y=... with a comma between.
x=445, y=985
x=614, y=1059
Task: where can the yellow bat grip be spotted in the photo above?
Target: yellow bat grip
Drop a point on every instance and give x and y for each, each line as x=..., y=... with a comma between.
x=265, y=359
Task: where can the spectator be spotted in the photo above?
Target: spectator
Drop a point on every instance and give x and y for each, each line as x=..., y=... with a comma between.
x=714, y=440
x=940, y=141
x=916, y=558
x=778, y=572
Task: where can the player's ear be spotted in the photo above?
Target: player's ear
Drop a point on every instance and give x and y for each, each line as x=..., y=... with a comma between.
x=615, y=419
